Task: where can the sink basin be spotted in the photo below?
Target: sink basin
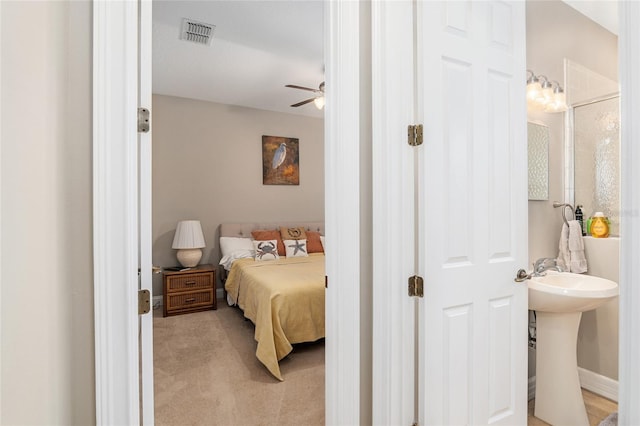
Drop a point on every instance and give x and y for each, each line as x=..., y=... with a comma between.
x=559, y=299
x=568, y=292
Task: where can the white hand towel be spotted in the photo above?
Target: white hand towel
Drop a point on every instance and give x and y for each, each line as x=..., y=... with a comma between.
x=564, y=256
x=578, y=263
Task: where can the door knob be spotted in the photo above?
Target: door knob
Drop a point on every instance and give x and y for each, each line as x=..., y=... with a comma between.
x=522, y=276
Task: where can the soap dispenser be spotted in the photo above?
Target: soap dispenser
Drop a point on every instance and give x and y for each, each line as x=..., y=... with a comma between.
x=579, y=218
x=599, y=226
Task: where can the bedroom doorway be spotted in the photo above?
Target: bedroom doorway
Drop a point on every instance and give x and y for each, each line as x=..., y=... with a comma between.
x=236, y=95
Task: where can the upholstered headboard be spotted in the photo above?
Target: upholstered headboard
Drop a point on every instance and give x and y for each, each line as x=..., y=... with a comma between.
x=244, y=229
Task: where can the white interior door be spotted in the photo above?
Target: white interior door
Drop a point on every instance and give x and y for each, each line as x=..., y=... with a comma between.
x=144, y=211
x=393, y=213
x=472, y=213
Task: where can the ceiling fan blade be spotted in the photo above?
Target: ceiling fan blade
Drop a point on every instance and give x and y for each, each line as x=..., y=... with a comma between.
x=303, y=102
x=293, y=86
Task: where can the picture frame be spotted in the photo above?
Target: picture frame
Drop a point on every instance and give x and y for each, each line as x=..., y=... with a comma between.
x=280, y=160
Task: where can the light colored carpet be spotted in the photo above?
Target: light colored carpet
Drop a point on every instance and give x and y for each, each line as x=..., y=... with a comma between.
x=206, y=373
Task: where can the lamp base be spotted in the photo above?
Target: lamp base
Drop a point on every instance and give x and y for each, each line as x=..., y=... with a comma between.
x=189, y=257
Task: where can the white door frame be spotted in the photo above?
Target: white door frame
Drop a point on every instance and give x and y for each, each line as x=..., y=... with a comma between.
x=342, y=211
x=394, y=219
x=115, y=198
x=629, y=330
x=115, y=211
x=145, y=215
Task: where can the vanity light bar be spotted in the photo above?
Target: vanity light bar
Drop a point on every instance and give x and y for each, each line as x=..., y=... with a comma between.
x=544, y=94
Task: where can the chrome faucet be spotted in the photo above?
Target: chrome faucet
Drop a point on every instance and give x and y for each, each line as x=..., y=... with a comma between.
x=544, y=264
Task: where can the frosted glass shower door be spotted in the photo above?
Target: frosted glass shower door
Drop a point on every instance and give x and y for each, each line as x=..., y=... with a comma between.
x=597, y=159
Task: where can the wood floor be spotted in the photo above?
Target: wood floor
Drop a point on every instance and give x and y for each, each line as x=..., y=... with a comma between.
x=597, y=409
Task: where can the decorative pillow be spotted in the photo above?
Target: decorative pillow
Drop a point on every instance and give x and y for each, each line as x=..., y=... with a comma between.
x=296, y=248
x=266, y=250
x=268, y=235
x=292, y=233
x=314, y=245
x=230, y=244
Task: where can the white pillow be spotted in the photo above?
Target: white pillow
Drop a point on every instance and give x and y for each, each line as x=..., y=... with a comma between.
x=228, y=260
x=230, y=244
x=266, y=250
x=296, y=248
x=324, y=249
x=234, y=248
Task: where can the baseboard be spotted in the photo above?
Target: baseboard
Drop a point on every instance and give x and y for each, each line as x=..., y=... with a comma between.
x=593, y=382
x=599, y=384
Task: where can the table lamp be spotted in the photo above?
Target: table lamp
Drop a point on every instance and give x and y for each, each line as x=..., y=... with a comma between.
x=188, y=241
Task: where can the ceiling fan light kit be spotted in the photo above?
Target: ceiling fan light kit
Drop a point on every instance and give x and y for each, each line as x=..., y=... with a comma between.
x=317, y=100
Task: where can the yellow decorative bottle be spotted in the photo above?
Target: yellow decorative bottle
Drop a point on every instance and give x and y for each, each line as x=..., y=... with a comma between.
x=599, y=226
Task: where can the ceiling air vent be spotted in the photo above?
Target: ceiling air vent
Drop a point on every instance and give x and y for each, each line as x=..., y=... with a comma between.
x=197, y=32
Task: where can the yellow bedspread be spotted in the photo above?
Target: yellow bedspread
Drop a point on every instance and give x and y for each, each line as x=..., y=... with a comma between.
x=284, y=299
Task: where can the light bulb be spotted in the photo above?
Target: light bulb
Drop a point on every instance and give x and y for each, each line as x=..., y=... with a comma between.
x=534, y=90
x=319, y=102
x=561, y=102
x=558, y=102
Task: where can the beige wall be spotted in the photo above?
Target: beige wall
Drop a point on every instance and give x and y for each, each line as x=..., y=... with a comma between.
x=207, y=165
x=556, y=31
x=46, y=274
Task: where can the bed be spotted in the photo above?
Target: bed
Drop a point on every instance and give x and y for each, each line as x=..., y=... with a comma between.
x=284, y=298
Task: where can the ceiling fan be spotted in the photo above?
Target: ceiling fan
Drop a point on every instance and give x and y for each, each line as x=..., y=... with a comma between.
x=318, y=99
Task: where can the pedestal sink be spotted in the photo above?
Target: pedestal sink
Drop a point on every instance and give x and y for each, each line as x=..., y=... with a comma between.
x=559, y=298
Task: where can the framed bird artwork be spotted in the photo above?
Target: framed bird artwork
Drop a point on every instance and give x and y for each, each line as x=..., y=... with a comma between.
x=280, y=161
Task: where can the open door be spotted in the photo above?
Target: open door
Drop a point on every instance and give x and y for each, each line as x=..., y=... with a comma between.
x=144, y=209
x=393, y=213
x=122, y=212
x=472, y=213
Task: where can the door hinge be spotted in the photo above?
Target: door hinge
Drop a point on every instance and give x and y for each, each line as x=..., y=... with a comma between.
x=416, y=287
x=415, y=134
x=143, y=120
x=144, y=302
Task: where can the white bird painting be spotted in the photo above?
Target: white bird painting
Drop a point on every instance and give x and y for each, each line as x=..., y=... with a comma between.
x=280, y=160
x=279, y=156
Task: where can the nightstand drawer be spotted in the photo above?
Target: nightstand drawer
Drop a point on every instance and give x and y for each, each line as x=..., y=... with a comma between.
x=189, y=282
x=189, y=300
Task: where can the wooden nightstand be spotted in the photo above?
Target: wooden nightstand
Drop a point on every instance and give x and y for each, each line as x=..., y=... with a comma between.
x=189, y=291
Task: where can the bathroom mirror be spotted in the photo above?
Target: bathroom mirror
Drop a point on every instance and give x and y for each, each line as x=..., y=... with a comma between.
x=538, y=149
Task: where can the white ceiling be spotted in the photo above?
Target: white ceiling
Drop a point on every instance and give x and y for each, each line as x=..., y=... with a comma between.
x=257, y=48
x=603, y=12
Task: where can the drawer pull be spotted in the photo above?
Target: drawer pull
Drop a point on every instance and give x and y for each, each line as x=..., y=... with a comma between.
x=190, y=283
x=190, y=300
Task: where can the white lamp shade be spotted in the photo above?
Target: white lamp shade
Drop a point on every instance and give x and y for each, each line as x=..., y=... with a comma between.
x=188, y=235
